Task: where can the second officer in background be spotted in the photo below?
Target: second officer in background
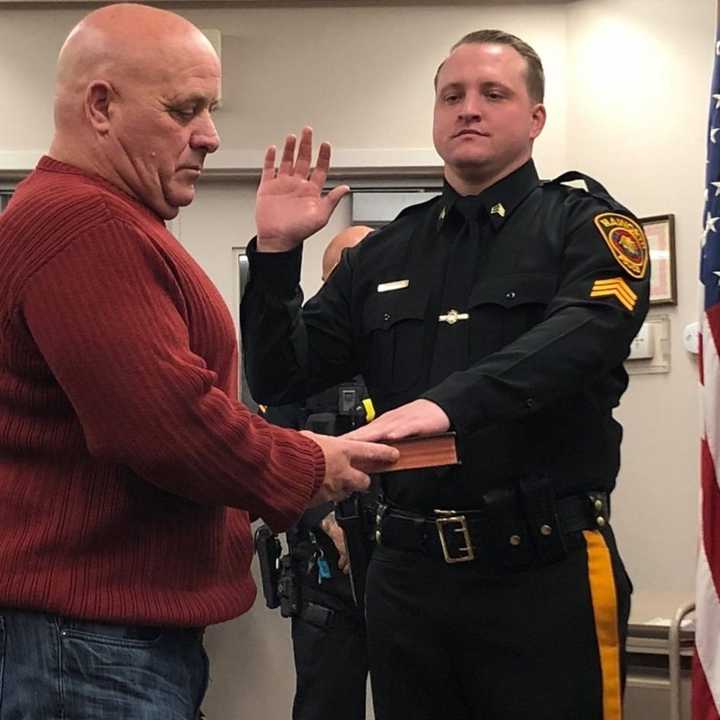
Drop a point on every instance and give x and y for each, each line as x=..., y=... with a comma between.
x=328, y=628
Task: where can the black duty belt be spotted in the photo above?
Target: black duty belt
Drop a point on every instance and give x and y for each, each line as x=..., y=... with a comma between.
x=466, y=535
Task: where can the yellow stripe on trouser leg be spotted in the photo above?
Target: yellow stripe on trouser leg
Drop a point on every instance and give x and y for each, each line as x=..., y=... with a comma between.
x=604, y=601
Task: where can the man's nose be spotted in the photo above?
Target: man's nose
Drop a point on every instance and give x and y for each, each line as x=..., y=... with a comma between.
x=471, y=107
x=205, y=136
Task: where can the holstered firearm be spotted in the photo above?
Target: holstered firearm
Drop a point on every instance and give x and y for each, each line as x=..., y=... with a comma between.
x=269, y=549
x=279, y=575
x=288, y=587
x=352, y=518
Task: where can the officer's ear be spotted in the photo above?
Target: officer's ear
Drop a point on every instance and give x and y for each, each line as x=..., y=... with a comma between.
x=538, y=116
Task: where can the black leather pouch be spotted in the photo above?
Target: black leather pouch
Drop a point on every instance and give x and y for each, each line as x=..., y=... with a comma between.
x=537, y=498
x=504, y=531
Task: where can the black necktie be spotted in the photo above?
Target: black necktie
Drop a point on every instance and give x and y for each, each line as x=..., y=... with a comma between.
x=452, y=339
x=471, y=210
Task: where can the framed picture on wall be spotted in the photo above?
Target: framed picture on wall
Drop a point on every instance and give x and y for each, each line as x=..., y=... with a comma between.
x=660, y=232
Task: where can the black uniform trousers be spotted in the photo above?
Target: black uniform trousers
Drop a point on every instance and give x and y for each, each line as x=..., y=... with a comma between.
x=458, y=642
x=331, y=664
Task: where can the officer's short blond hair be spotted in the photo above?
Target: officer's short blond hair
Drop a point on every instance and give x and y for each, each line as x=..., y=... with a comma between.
x=534, y=75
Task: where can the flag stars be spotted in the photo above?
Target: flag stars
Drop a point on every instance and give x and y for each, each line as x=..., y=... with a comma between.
x=717, y=274
x=716, y=185
x=713, y=133
x=710, y=224
x=716, y=98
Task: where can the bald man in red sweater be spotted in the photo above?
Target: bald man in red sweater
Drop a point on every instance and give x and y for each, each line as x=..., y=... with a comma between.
x=129, y=471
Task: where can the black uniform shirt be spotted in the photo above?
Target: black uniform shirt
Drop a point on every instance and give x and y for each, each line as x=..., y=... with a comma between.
x=554, y=282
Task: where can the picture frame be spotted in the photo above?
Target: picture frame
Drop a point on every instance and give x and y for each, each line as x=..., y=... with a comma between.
x=660, y=233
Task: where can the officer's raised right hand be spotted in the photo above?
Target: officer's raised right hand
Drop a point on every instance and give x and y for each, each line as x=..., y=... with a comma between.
x=347, y=463
x=290, y=205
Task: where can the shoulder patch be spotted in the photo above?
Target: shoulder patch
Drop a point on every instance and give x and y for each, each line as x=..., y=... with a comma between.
x=626, y=240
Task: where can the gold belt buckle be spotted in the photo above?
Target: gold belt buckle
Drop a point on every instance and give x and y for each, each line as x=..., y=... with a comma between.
x=448, y=518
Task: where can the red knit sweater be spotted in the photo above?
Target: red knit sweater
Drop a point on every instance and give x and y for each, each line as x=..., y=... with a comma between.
x=127, y=468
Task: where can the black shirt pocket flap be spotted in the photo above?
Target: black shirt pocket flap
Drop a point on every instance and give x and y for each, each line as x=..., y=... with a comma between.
x=513, y=290
x=385, y=310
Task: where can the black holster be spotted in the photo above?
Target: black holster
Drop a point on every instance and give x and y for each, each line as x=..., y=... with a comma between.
x=278, y=573
x=288, y=587
x=269, y=549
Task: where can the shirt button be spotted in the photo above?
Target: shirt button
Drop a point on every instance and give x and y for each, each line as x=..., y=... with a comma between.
x=530, y=402
x=386, y=317
x=510, y=295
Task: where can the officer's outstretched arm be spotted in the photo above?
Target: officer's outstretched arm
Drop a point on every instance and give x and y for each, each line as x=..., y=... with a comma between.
x=589, y=324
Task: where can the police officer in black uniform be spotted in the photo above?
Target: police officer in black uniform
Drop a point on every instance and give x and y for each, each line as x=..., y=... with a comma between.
x=503, y=310
x=328, y=626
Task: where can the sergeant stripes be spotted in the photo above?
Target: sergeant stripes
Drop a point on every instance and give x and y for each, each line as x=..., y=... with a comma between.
x=615, y=287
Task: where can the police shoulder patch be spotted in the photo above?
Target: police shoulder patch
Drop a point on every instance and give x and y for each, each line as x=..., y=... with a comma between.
x=626, y=240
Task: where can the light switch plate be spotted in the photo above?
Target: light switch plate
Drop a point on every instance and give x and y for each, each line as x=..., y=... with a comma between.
x=658, y=333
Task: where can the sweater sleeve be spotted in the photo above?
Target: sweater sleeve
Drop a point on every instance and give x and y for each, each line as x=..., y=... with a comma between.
x=110, y=320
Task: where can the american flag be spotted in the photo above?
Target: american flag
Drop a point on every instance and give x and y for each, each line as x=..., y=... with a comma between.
x=706, y=669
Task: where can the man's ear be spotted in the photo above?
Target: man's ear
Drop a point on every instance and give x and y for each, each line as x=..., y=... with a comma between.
x=97, y=105
x=538, y=120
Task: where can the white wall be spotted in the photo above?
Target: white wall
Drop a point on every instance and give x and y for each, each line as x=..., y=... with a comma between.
x=349, y=72
x=627, y=100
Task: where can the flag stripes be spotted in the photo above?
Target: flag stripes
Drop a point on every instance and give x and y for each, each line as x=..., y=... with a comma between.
x=706, y=668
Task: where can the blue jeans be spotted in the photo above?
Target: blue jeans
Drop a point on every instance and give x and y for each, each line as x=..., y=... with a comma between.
x=55, y=668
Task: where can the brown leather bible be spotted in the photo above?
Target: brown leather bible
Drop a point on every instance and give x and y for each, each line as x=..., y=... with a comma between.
x=424, y=452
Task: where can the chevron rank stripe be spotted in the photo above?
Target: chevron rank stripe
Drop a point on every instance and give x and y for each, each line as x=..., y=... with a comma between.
x=615, y=287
